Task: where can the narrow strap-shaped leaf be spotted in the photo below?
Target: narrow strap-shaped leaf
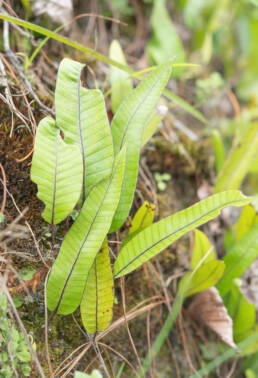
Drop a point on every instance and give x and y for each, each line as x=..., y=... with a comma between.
x=238, y=161
x=127, y=127
x=82, y=243
x=57, y=171
x=98, y=297
x=241, y=311
x=240, y=257
x=160, y=235
x=151, y=127
x=81, y=115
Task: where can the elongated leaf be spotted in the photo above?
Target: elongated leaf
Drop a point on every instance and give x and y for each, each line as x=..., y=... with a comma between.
x=241, y=256
x=160, y=235
x=81, y=115
x=201, y=246
x=57, y=171
x=98, y=297
x=247, y=219
x=151, y=127
x=219, y=150
x=241, y=311
x=68, y=275
x=206, y=276
x=120, y=82
x=165, y=43
x=127, y=127
x=238, y=162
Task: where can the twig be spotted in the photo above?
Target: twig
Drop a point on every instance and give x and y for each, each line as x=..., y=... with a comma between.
x=4, y=190
x=126, y=323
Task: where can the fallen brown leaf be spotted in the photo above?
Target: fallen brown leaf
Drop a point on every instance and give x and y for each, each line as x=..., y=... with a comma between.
x=207, y=307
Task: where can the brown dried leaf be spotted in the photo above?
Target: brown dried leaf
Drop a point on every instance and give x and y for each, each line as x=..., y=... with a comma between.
x=207, y=307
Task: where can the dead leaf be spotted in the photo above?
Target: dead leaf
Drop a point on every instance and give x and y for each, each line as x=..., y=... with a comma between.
x=207, y=307
x=60, y=11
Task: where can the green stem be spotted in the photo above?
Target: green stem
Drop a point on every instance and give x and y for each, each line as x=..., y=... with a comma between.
x=225, y=356
x=163, y=334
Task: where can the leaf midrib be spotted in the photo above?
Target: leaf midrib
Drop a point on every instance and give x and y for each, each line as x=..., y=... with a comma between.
x=84, y=241
x=135, y=111
x=173, y=233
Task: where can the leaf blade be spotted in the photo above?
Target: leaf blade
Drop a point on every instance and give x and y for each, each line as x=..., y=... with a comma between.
x=54, y=163
x=85, y=124
x=82, y=242
x=98, y=297
x=160, y=235
x=127, y=127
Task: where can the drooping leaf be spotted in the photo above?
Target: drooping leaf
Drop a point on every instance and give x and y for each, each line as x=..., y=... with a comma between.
x=120, y=82
x=240, y=257
x=81, y=115
x=165, y=43
x=127, y=127
x=83, y=241
x=57, y=171
x=204, y=277
x=241, y=311
x=98, y=296
x=207, y=307
x=247, y=219
x=202, y=246
x=160, y=235
x=238, y=161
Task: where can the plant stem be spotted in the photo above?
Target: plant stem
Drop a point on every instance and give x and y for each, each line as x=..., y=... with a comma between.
x=163, y=334
x=225, y=356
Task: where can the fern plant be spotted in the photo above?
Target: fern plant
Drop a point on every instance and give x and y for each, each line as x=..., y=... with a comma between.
x=80, y=159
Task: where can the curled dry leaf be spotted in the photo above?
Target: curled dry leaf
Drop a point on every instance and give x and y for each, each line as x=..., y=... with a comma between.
x=208, y=307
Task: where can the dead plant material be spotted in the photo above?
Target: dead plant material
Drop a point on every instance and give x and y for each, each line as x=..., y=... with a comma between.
x=208, y=308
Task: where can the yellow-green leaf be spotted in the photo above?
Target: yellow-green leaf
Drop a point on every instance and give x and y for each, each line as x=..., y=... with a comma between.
x=98, y=297
x=238, y=161
x=202, y=246
x=247, y=219
x=206, y=275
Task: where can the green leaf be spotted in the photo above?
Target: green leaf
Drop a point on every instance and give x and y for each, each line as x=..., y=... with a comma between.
x=165, y=43
x=98, y=297
x=127, y=127
x=120, y=82
x=241, y=311
x=240, y=257
x=84, y=123
x=238, y=161
x=54, y=163
x=207, y=275
x=151, y=127
x=143, y=218
x=149, y=242
x=201, y=246
x=247, y=219
x=219, y=150
x=83, y=241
